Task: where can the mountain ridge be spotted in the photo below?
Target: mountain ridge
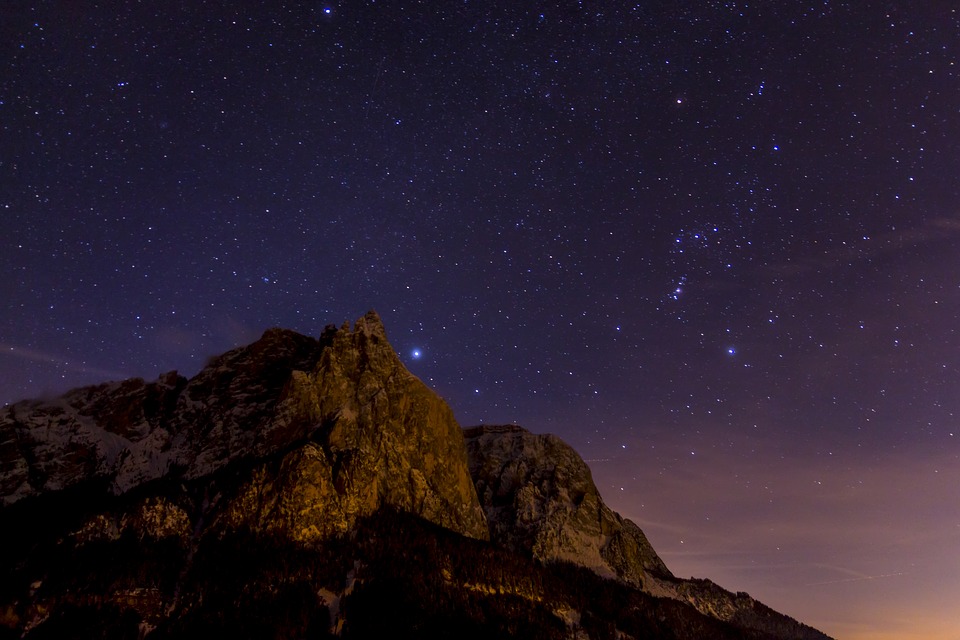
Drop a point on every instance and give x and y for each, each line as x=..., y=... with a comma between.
x=296, y=445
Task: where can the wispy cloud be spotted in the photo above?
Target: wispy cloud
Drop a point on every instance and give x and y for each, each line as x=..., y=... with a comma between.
x=939, y=229
x=859, y=579
x=63, y=362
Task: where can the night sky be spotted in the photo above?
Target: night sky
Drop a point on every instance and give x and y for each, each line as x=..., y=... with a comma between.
x=715, y=246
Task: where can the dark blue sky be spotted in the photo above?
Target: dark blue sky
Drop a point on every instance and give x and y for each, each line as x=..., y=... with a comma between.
x=715, y=246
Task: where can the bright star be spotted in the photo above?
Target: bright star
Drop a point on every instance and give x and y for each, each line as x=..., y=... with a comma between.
x=415, y=354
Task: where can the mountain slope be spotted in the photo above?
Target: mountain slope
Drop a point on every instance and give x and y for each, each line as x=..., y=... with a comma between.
x=541, y=501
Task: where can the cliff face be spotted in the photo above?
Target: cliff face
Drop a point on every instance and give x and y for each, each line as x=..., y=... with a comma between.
x=341, y=428
x=540, y=499
x=379, y=438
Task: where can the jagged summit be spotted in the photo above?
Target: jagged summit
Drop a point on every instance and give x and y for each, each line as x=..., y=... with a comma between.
x=480, y=429
x=291, y=472
x=540, y=498
x=371, y=325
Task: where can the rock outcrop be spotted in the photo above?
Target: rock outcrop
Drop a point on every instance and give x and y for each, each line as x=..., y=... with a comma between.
x=540, y=499
x=382, y=438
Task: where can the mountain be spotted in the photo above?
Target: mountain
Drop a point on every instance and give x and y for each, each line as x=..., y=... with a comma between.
x=313, y=487
x=540, y=500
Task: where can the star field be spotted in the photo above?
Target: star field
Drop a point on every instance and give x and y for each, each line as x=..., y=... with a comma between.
x=714, y=246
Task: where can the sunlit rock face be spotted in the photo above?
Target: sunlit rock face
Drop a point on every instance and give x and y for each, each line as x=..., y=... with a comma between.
x=382, y=438
x=540, y=499
x=335, y=427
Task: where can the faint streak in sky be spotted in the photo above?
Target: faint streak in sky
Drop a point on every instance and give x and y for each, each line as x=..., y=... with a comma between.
x=860, y=579
x=40, y=356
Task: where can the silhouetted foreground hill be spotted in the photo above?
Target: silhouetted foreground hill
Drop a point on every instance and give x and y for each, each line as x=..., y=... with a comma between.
x=314, y=488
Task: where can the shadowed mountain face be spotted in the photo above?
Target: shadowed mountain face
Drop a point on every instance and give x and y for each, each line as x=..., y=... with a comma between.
x=540, y=499
x=314, y=487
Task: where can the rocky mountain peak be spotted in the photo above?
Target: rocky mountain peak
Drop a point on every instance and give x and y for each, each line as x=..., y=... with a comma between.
x=371, y=326
x=540, y=499
x=379, y=437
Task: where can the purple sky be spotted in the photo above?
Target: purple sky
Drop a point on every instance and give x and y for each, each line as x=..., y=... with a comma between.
x=714, y=246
